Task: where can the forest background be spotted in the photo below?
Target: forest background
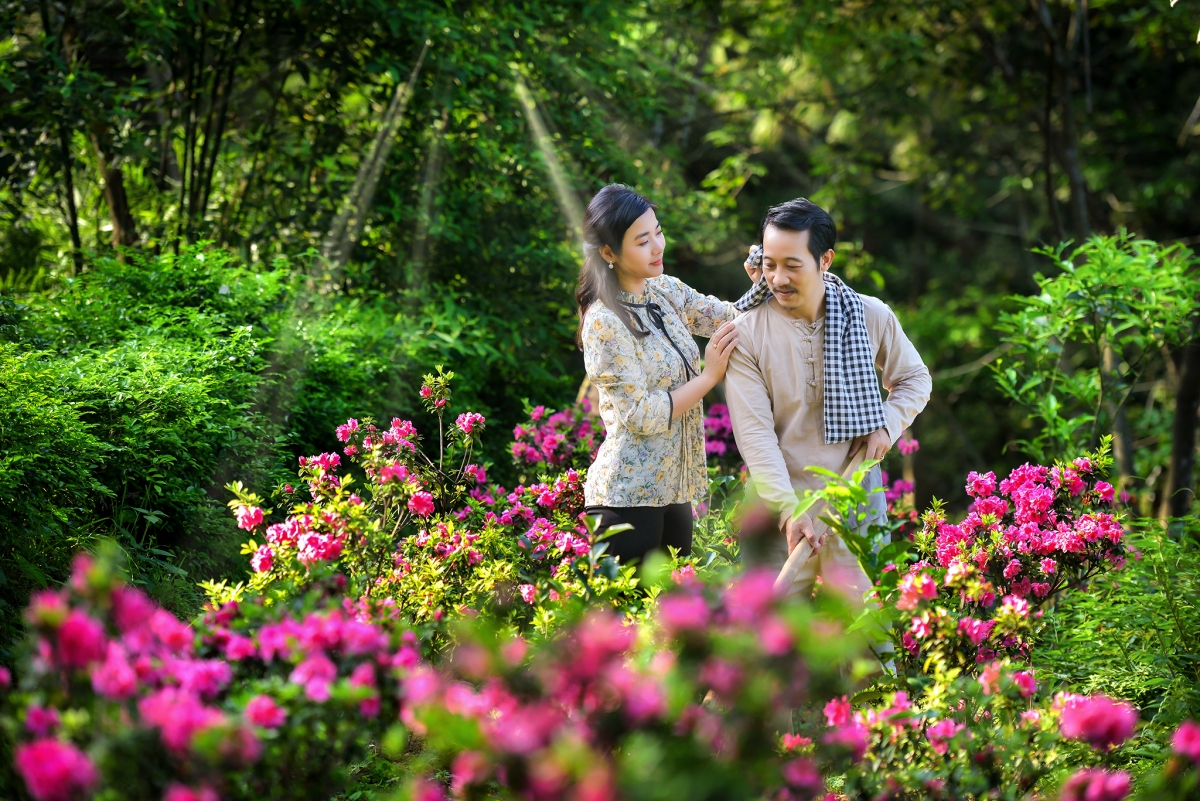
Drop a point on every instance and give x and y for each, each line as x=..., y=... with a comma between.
x=226, y=227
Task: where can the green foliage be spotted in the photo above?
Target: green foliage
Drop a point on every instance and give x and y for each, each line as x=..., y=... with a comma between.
x=1135, y=634
x=1081, y=346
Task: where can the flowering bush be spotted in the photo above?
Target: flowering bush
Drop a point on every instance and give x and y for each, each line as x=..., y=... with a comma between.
x=566, y=439
x=119, y=696
x=607, y=710
x=423, y=534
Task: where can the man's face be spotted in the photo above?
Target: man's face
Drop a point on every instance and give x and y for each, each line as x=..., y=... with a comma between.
x=795, y=277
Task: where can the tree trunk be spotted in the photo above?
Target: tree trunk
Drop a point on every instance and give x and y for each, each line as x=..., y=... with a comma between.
x=124, y=230
x=1180, y=487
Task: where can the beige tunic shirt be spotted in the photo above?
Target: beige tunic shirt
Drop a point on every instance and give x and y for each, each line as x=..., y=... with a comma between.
x=776, y=395
x=647, y=458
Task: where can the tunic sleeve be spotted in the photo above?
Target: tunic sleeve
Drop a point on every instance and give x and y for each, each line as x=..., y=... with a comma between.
x=904, y=375
x=611, y=360
x=703, y=314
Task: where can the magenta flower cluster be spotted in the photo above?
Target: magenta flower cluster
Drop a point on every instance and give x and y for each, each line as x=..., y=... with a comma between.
x=568, y=438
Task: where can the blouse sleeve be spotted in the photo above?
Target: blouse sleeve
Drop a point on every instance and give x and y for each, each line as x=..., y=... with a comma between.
x=703, y=314
x=611, y=360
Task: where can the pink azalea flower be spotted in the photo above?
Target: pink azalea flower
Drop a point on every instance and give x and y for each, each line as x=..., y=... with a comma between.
x=803, y=776
x=114, y=678
x=5, y=678
x=249, y=517
x=181, y=792
x=1049, y=566
x=1098, y=720
x=907, y=445
x=1186, y=741
x=794, y=742
x=346, y=429
x=55, y=771
x=41, y=721
x=262, y=559
x=421, y=504
x=1025, y=682
x=528, y=592
x=837, y=711
x=914, y=588
x=426, y=391
x=468, y=422
x=316, y=674
x=678, y=613
x=940, y=733
x=981, y=486
x=1096, y=784
x=262, y=711
x=131, y=608
x=852, y=736
x=1105, y=491
x=81, y=640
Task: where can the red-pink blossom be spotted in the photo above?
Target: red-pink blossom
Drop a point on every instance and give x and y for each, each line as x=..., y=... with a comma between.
x=981, y=485
x=5, y=678
x=262, y=711
x=793, y=742
x=1025, y=682
x=1186, y=741
x=852, y=736
x=345, y=430
x=803, y=776
x=115, y=678
x=751, y=595
x=249, y=517
x=178, y=715
x=774, y=637
x=914, y=588
x=315, y=674
x=1105, y=491
x=940, y=733
x=421, y=504
x=426, y=391
x=1096, y=784
x=528, y=592
x=182, y=792
x=1097, y=720
x=41, y=721
x=837, y=711
x=907, y=445
x=677, y=613
x=54, y=770
x=263, y=559
x=468, y=422
x=976, y=630
x=131, y=608
x=81, y=640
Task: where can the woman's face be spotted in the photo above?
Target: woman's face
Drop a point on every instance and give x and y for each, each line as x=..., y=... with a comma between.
x=641, y=250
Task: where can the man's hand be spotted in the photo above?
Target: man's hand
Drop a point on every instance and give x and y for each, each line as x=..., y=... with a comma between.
x=877, y=443
x=801, y=528
x=753, y=264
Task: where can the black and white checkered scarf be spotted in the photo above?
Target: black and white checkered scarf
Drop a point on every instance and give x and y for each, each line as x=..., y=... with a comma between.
x=853, y=406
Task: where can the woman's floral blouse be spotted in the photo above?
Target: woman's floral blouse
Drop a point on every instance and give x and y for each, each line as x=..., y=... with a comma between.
x=647, y=459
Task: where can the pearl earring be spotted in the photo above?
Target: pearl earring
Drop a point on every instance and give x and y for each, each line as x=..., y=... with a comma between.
x=610, y=265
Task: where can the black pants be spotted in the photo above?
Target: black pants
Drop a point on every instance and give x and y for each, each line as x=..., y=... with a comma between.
x=654, y=527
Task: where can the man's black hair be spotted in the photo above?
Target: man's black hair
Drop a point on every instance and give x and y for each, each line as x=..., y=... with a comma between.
x=802, y=214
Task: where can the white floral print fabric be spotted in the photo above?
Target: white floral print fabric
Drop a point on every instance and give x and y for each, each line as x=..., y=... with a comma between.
x=647, y=459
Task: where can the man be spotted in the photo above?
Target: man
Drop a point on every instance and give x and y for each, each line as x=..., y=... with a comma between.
x=802, y=389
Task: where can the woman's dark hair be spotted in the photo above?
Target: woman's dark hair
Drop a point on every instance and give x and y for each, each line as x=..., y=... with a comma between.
x=608, y=217
x=802, y=214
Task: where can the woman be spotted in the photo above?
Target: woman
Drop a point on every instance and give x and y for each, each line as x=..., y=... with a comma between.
x=636, y=328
